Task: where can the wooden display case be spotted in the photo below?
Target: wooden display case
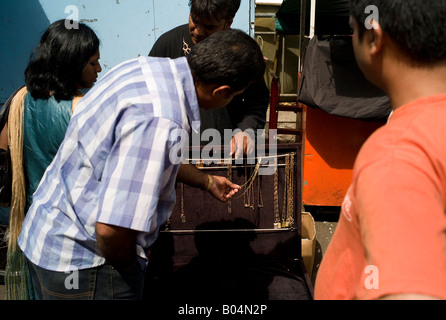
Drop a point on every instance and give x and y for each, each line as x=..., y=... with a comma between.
x=246, y=249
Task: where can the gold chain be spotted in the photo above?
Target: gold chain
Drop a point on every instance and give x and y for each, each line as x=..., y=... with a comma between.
x=251, y=179
x=290, y=216
x=276, y=195
x=260, y=196
x=285, y=190
x=281, y=219
x=230, y=179
x=182, y=215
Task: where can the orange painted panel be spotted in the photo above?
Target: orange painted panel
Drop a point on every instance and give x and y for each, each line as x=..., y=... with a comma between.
x=331, y=145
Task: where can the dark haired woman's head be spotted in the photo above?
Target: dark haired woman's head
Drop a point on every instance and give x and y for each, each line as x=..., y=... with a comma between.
x=227, y=58
x=64, y=61
x=417, y=27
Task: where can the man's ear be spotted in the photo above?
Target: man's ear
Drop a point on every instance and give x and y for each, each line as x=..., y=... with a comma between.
x=222, y=91
x=228, y=23
x=376, y=38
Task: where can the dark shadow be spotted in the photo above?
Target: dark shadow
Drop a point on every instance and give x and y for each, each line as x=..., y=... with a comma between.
x=226, y=266
x=215, y=264
x=317, y=262
x=22, y=23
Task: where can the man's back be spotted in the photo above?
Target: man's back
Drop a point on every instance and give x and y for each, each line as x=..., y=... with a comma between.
x=391, y=232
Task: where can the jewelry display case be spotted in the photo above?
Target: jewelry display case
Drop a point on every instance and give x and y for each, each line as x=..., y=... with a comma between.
x=248, y=248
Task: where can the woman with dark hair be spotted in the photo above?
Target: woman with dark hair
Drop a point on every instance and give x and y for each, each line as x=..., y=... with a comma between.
x=64, y=62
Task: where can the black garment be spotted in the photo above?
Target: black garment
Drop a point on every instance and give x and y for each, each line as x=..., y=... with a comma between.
x=246, y=111
x=330, y=64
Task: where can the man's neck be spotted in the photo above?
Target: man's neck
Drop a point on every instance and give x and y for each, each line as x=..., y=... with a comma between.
x=407, y=83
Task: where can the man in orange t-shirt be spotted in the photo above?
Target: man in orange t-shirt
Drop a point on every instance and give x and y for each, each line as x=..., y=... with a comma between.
x=390, y=242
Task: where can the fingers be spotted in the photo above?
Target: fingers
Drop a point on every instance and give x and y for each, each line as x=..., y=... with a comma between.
x=240, y=148
x=232, y=185
x=231, y=189
x=249, y=146
x=241, y=144
x=231, y=193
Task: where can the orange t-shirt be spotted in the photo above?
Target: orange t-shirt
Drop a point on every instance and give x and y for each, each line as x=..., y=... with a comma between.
x=391, y=235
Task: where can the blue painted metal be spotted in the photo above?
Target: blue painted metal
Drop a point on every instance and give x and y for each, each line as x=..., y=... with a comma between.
x=126, y=28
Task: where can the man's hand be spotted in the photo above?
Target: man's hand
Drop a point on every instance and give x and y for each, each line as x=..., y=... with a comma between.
x=222, y=189
x=242, y=144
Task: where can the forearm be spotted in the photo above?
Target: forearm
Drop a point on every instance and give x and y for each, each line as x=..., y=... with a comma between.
x=192, y=176
x=117, y=245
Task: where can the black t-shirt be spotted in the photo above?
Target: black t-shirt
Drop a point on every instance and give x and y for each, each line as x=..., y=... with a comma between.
x=246, y=111
x=173, y=44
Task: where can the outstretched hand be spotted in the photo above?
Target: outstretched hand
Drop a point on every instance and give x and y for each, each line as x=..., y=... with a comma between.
x=223, y=189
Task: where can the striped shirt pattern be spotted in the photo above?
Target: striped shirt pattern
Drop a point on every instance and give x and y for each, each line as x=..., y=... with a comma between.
x=113, y=165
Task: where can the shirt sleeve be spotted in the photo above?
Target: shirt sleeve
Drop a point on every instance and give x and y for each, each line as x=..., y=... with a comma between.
x=138, y=179
x=402, y=223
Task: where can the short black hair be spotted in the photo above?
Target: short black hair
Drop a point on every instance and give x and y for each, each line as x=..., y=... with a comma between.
x=57, y=63
x=219, y=9
x=417, y=27
x=229, y=57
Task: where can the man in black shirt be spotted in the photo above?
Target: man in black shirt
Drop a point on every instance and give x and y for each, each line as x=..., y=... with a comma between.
x=246, y=111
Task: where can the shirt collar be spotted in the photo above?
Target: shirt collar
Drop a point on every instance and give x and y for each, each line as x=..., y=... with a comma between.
x=192, y=108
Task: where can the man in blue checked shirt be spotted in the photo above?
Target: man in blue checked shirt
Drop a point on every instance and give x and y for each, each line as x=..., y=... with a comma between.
x=110, y=187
